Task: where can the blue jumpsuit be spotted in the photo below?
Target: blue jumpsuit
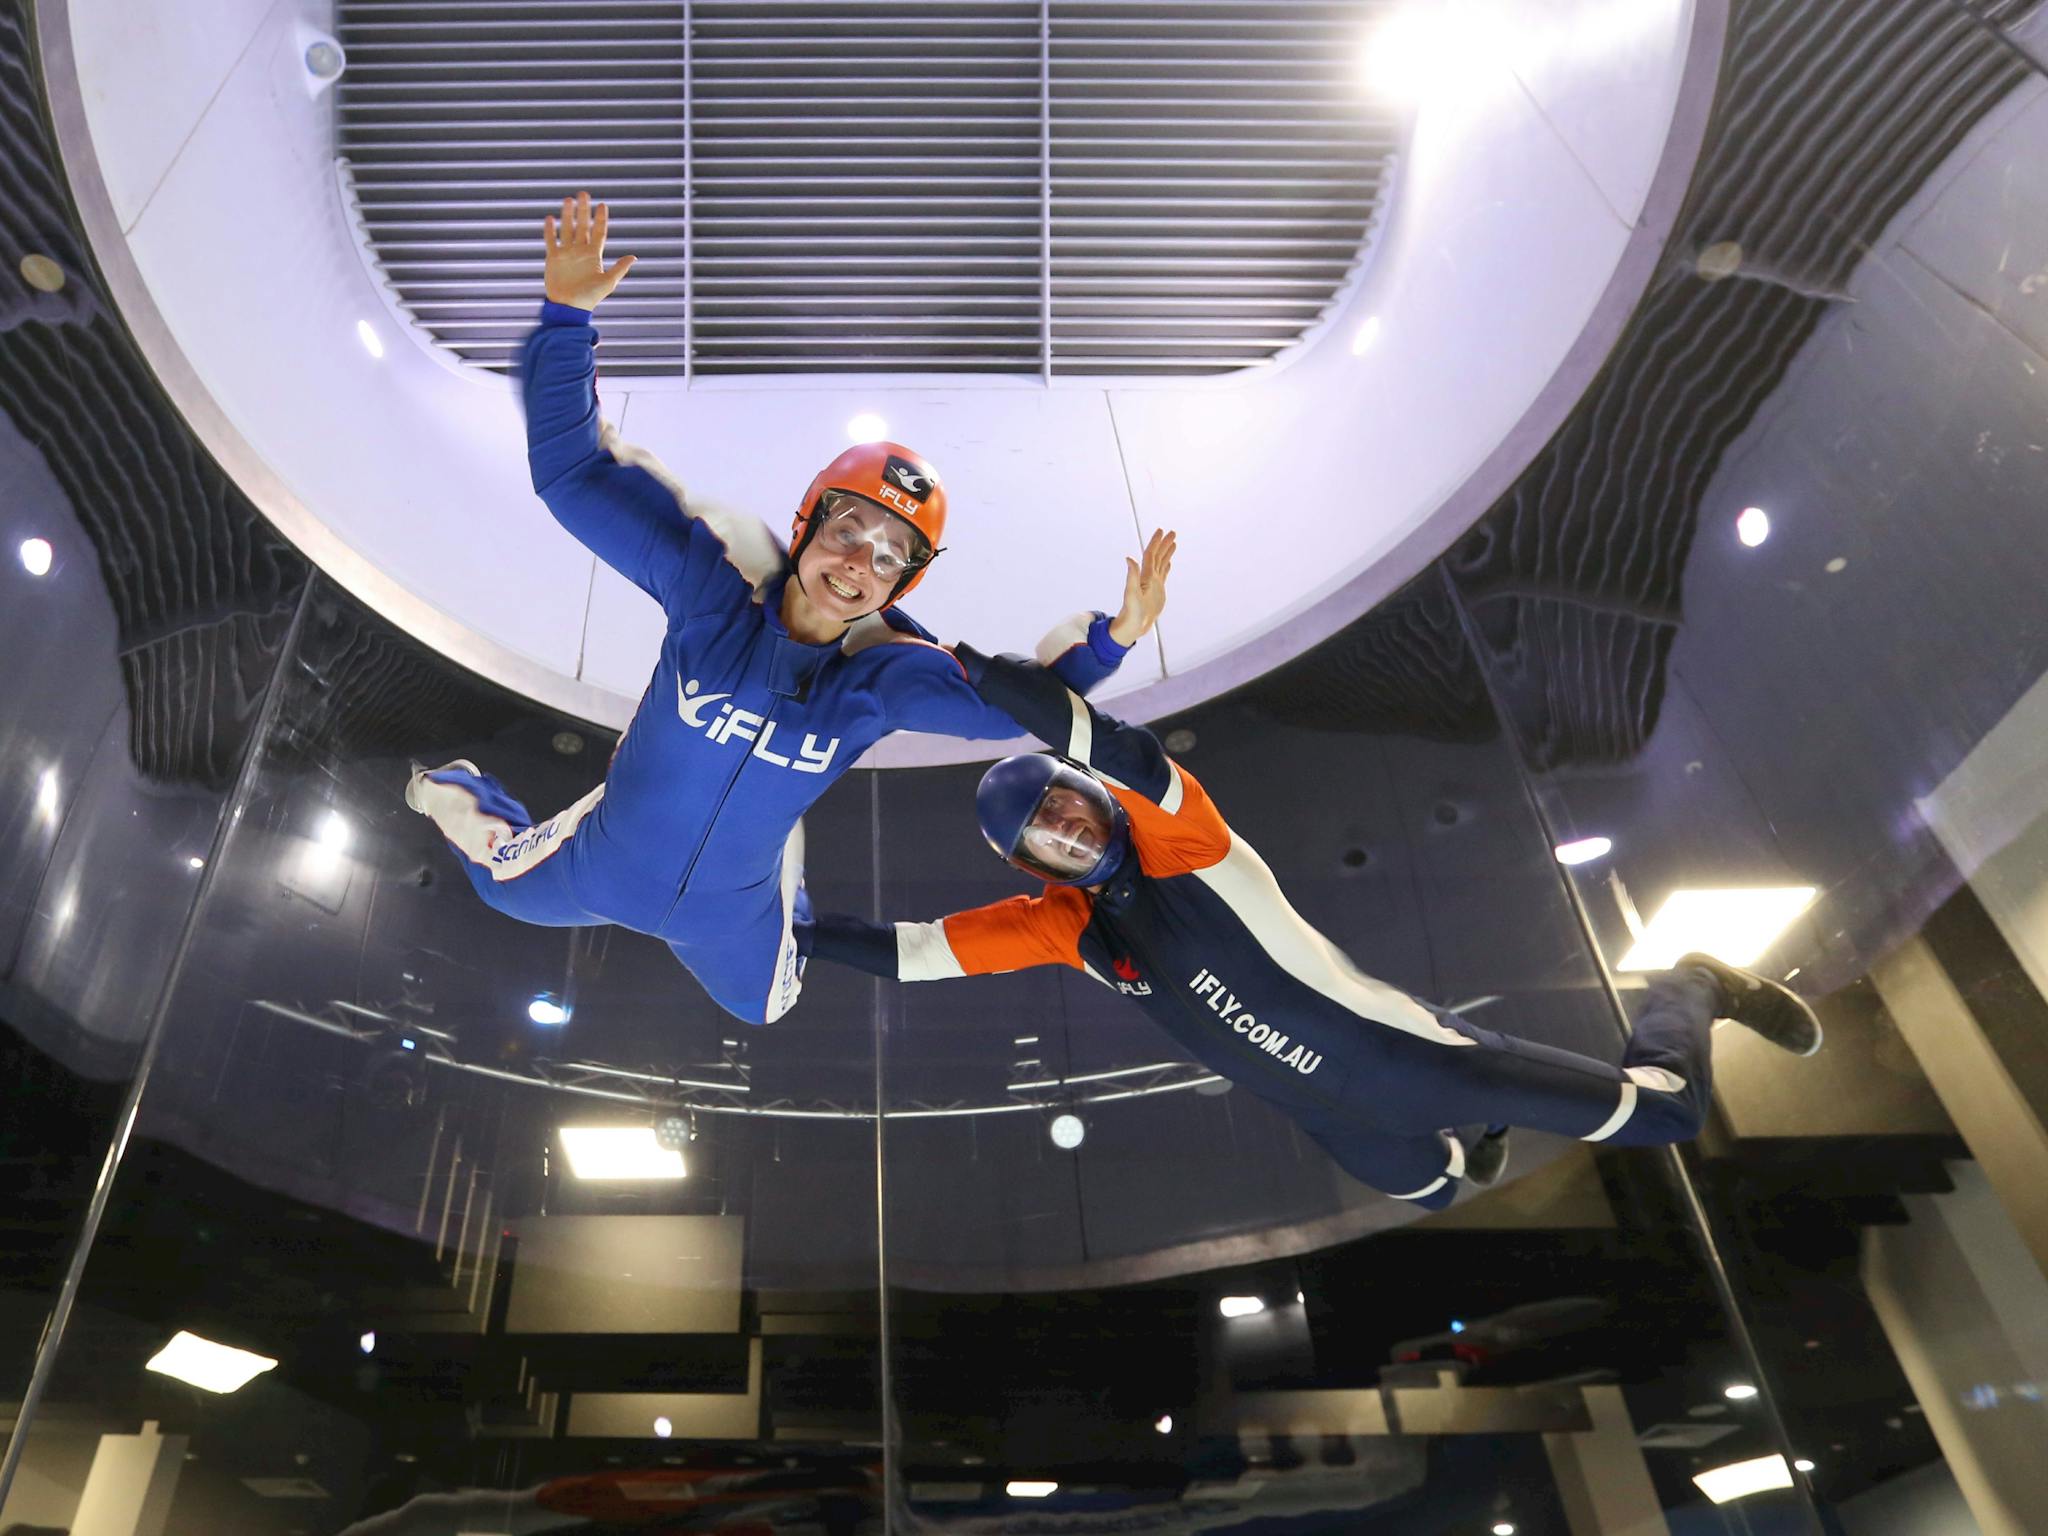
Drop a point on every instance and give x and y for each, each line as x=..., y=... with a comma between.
x=694, y=835
x=1195, y=930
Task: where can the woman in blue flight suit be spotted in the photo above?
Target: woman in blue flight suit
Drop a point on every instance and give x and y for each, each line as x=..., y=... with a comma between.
x=776, y=672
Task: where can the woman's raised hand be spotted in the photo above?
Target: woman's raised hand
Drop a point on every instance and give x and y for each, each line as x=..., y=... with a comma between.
x=576, y=273
x=1144, y=589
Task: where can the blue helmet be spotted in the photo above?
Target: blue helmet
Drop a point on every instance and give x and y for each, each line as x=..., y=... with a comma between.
x=1052, y=820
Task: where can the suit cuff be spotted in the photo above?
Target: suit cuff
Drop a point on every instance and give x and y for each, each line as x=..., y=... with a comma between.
x=552, y=313
x=1105, y=647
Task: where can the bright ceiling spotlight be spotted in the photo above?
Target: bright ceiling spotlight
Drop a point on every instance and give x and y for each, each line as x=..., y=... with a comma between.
x=1164, y=1424
x=1067, y=1131
x=1410, y=56
x=547, y=1009
x=1240, y=1306
x=1742, y=1478
x=1753, y=526
x=209, y=1366
x=366, y=333
x=195, y=862
x=36, y=555
x=368, y=1342
x=1367, y=334
x=663, y=1428
x=1585, y=850
x=620, y=1152
x=1504, y=1528
x=1023, y=1489
x=1802, y=1465
x=1739, y=1392
x=867, y=427
x=1734, y=926
x=334, y=833
x=1456, y=1326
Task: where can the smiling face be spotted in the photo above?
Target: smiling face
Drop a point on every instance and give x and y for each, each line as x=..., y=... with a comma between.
x=1067, y=834
x=854, y=560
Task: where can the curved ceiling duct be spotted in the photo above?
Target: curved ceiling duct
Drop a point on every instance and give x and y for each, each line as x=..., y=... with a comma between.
x=1094, y=187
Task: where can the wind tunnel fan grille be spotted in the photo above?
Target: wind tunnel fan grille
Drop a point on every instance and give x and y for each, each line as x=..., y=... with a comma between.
x=1023, y=187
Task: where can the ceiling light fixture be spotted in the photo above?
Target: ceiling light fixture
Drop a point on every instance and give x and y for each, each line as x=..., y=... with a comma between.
x=1802, y=1465
x=1739, y=1392
x=1585, y=850
x=1164, y=1424
x=366, y=333
x=1753, y=526
x=619, y=1152
x=1021, y=1489
x=209, y=1366
x=334, y=832
x=1742, y=1478
x=195, y=862
x=36, y=555
x=547, y=1009
x=867, y=427
x=1241, y=1306
x=1735, y=926
x=663, y=1428
x=1067, y=1131
x=1504, y=1528
x=368, y=1343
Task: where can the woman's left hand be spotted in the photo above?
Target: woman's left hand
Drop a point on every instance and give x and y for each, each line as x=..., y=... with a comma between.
x=1144, y=589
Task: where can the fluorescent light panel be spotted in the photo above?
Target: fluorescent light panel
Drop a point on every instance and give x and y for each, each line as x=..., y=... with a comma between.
x=1030, y=1490
x=207, y=1365
x=1241, y=1306
x=1735, y=926
x=1742, y=1478
x=619, y=1152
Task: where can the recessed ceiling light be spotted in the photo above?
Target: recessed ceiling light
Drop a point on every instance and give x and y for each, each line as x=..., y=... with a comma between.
x=1021, y=1489
x=36, y=555
x=547, y=1009
x=195, y=862
x=1739, y=1392
x=867, y=427
x=620, y=1152
x=1367, y=334
x=1735, y=926
x=1741, y=1478
x=1585, y=850
x=1802, y=1465
x=1504, y=1528
x=1753, y=526
x=333, y=833
x=207, y=1365
x=1067, y=1131
x=366, y=333
x=1164, y=1424
x=663, y=1428
x=1240, y=1306
x=368, y=1343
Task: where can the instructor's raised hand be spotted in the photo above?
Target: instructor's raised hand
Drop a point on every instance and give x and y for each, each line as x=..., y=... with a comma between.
x=1144, y=589
x=576, y=273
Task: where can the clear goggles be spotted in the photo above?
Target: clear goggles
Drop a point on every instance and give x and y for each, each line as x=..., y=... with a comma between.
x=1070, y=830
x=895, y=549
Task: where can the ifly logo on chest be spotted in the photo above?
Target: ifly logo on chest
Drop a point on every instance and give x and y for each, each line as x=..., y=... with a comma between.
x=730, y=724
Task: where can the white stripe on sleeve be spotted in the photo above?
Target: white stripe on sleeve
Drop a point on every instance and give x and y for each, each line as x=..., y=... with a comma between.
x=1170, y=801
x=1081, y=739
x=922, y=953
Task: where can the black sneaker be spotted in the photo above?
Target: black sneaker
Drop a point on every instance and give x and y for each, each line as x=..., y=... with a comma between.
x=1756, y=1002
x=1487, y=1159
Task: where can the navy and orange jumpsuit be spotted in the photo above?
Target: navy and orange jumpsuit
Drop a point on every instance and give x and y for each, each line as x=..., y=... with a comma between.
x=1195, y=930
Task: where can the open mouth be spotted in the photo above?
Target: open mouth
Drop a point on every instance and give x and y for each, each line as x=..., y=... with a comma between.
x=841, y=590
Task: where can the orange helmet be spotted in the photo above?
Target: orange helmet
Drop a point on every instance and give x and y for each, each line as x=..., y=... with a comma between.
x=893, y=478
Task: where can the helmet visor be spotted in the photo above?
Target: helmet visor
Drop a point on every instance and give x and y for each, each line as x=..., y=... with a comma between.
x=1069, y=830
x=852, y=524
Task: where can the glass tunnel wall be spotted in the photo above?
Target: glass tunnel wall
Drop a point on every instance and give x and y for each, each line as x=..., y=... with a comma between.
x=354, y=1154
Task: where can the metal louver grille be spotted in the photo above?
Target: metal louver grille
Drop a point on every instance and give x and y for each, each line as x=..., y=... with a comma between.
x=1050, y=187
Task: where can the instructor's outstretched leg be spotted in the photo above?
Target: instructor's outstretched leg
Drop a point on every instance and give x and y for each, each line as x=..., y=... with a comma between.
x=516, y=865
